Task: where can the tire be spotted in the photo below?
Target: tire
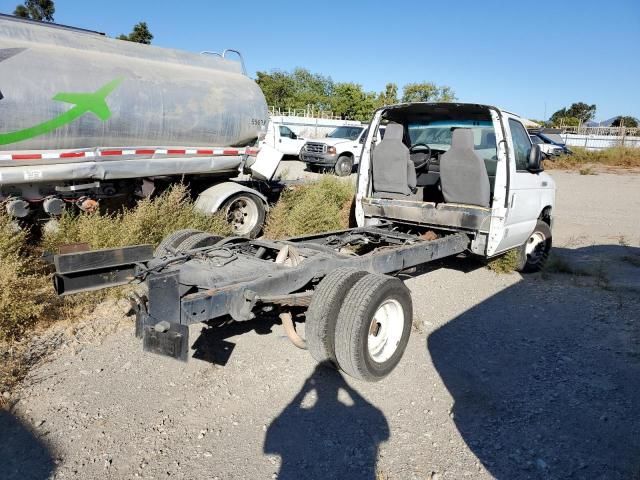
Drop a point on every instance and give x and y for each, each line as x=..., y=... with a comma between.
x=534, y=253
x=199, y=240
x=173, y=240
x=344, y=166
x=360, y=353
x=245, y=213
x=323, y=312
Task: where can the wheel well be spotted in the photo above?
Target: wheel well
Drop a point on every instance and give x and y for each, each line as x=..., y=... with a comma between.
x=545, y=215
x=345, y=154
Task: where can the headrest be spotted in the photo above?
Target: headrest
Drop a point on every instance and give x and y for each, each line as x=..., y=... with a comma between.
x=462, y=138
x=394, y=131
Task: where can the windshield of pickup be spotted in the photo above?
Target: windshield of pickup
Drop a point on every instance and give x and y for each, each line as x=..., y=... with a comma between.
x=351, y=133
x=437, y=135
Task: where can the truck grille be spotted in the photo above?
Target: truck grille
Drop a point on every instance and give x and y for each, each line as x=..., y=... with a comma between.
x=315, y=147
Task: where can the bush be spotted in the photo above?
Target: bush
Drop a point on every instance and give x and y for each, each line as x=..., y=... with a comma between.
x=23, y=291
x=611, y=157
x=149, y=222
x=311, y=208
x=505, y=263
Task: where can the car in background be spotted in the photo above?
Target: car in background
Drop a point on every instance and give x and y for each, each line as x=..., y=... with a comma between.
x=283, y=139
x=339, y=151
x=550, y=142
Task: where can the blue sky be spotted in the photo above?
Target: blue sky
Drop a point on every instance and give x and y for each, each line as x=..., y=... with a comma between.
x=527, y=57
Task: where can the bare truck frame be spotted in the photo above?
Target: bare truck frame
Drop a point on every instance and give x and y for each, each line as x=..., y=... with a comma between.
x=239, y=277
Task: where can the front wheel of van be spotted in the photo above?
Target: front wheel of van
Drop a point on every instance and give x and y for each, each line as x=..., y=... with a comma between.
x=344, y=166
x=534, y=253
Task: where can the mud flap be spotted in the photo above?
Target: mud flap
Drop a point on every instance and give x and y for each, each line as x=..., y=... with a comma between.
x=163, y=338
x=160, y=327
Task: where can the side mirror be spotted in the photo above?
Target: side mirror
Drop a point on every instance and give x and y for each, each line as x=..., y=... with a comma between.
x=534, y=162
x=293, y=136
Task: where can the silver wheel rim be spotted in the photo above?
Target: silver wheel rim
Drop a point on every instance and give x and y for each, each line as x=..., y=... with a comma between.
x=535, y=246
x=242, y=215
x=385, y=330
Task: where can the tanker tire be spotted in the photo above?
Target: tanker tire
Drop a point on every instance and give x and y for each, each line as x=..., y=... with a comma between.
x=173, y=240
x=199, y=240
x=344, y=166
x=323, y=312
x=372, y=356
x=252, y=210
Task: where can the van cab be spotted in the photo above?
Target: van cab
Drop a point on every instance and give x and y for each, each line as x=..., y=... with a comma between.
x=466, y=167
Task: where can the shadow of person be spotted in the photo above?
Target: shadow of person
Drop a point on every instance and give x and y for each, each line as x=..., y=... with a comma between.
x=327, y=431
x=545, y=378
x=22, y=455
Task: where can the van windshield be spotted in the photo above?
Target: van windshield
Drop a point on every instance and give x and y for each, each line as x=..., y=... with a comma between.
x=346, y=132
x=437, y=135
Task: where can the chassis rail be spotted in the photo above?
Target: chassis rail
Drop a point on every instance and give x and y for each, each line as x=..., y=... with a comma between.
x=234, y=278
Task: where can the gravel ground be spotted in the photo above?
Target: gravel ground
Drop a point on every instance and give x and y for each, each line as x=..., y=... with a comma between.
x=505, y=376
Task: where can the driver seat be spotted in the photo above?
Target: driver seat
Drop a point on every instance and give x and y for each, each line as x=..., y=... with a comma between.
x=394, y=174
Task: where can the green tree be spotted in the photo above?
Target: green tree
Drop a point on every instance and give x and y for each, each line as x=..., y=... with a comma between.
x=139, y=34
x=296, y=90
x=626, y=120
x=41, y=10
x=389, y=96
x=349, y=101
x=278, y=88
x=427, y=92
x=579, y=110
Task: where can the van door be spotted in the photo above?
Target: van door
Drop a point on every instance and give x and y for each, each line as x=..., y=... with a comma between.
x=524, y=202
x=288, y=143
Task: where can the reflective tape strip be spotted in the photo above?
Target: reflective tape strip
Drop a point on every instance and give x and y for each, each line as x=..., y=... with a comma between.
x=118, y=152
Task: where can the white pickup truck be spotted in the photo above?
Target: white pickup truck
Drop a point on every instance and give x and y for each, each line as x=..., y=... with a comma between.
x=339, y=151
x=283, y=139
x=448, y=179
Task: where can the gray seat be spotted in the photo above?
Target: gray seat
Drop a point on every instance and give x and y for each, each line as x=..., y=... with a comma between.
x=393, y=171
x=463, y=174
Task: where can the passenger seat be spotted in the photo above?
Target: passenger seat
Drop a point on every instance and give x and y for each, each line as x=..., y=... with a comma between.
x=463, y=174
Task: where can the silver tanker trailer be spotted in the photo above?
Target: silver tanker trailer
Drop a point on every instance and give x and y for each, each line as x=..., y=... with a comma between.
x=84, y=118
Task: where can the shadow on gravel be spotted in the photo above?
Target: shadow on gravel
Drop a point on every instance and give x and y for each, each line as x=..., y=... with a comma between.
x=332, y=433
x=22, y=455
x=211, y=345
x=546, y=381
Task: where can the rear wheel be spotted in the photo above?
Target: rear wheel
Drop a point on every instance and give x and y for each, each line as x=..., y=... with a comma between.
x=344, y=166
x=245, y=213
x=173, y=240
x=534, y=253
x=199, y=240
x=373, y=327
x=323, y=312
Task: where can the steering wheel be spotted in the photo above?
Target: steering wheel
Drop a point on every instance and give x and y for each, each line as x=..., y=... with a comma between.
x=421, y=147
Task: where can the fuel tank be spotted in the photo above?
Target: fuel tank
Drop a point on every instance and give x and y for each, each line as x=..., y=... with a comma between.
x=64, y=89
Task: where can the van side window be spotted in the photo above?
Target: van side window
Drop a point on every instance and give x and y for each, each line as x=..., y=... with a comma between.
x=285, y=132
x=521, y=143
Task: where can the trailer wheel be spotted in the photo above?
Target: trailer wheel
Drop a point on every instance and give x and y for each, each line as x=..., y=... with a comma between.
x=373, y=327
x=198, y=240
x=245, y=213
x=173, y=240
x=344, y=166
x=535, y=251
x=320, y=325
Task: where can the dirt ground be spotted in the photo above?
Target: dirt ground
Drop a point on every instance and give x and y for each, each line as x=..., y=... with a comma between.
x=505, y=376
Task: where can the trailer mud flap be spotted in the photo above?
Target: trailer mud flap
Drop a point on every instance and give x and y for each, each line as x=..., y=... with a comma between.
x=160, y=327
x=163, y=338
